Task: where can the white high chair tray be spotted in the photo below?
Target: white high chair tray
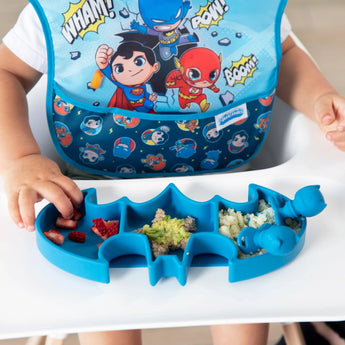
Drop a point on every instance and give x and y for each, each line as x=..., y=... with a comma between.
x=38, y=298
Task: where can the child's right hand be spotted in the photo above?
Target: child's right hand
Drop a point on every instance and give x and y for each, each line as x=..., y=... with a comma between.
x=32, y=178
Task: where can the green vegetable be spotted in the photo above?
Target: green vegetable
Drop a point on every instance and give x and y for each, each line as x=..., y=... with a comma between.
x=169, y=231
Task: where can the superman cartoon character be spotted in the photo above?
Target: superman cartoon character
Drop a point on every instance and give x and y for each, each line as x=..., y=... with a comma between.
x=92, y=125
x=129, y=68
x=238, y=142
x=197, y=69
x=156, y=136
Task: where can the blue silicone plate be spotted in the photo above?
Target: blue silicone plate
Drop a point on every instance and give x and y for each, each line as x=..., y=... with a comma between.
x=206, y=246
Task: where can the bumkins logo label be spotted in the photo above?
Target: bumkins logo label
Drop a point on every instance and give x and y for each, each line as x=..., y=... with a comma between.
x=211, y=14
x=85, y=16
x=241, y=70
x=234, y=115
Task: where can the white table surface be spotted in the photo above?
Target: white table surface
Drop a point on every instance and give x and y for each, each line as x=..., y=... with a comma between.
x=38, y=298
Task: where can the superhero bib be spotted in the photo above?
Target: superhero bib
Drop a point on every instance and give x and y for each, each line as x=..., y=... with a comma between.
x=147, y=87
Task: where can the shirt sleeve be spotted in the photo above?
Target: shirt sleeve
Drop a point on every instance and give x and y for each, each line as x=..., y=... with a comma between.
x=285, y=28
x=26, y=40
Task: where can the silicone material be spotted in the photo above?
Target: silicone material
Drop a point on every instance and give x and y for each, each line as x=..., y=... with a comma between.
x=206, y=246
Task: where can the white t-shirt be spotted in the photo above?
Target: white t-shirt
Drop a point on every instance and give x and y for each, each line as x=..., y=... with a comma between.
x=26, y=39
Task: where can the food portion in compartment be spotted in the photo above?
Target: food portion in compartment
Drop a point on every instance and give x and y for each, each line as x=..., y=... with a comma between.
x=167, y=234
x=63, y=223
x=232, y=222
x=77, y=236
x=54, y=236
x=105, y=228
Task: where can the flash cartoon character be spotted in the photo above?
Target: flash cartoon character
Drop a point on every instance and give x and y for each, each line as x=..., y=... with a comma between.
x=157, y=136
x=123, y=147
x=162, y=19
x=129, y=68
x=61, y=107
x=263, y=122
x=91, y=154
x=238, y=142
x=197, y=69
x=188, y=126
x=185, y=148
x=154, y=162
x=91, y=125
x=63, y=133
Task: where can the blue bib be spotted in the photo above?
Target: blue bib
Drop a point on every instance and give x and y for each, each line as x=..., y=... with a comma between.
x=149, y=88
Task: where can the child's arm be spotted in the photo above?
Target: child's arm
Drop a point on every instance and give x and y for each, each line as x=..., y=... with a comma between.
x=302, y=85
x=28, y=176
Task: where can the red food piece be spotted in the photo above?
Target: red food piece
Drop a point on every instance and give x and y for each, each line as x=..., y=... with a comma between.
x=95, y=230
x=105, y=229
x=63, y=223
x=113, y=227
x=100, y=225
x=54, y=236
x=77, y=215
x=77, y=236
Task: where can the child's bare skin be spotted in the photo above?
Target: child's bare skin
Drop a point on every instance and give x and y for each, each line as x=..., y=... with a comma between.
x=304, y=87
x=28, y=176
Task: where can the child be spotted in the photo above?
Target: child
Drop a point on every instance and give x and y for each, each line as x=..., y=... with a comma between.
x=29, y=177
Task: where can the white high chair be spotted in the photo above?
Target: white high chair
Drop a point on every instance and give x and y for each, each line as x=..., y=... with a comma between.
x=282, y=132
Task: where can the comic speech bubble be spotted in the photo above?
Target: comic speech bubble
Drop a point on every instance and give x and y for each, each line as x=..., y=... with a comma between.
x=241, y=70
x=210, y=14
x=85, y=16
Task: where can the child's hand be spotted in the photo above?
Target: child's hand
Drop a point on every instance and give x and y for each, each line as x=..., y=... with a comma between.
x=330, y=115
x=32, y=178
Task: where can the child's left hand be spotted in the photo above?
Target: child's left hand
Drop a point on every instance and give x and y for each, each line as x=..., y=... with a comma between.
x=329, y=111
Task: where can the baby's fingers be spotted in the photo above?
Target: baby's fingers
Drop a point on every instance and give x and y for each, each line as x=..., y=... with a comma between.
x=56, y=195
x=71, y=189
x=47, y=190
x=337, y=138
x=26, y=205
x=330, y=110
x=339, y=107
x=14, y=211
x=324, y=112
